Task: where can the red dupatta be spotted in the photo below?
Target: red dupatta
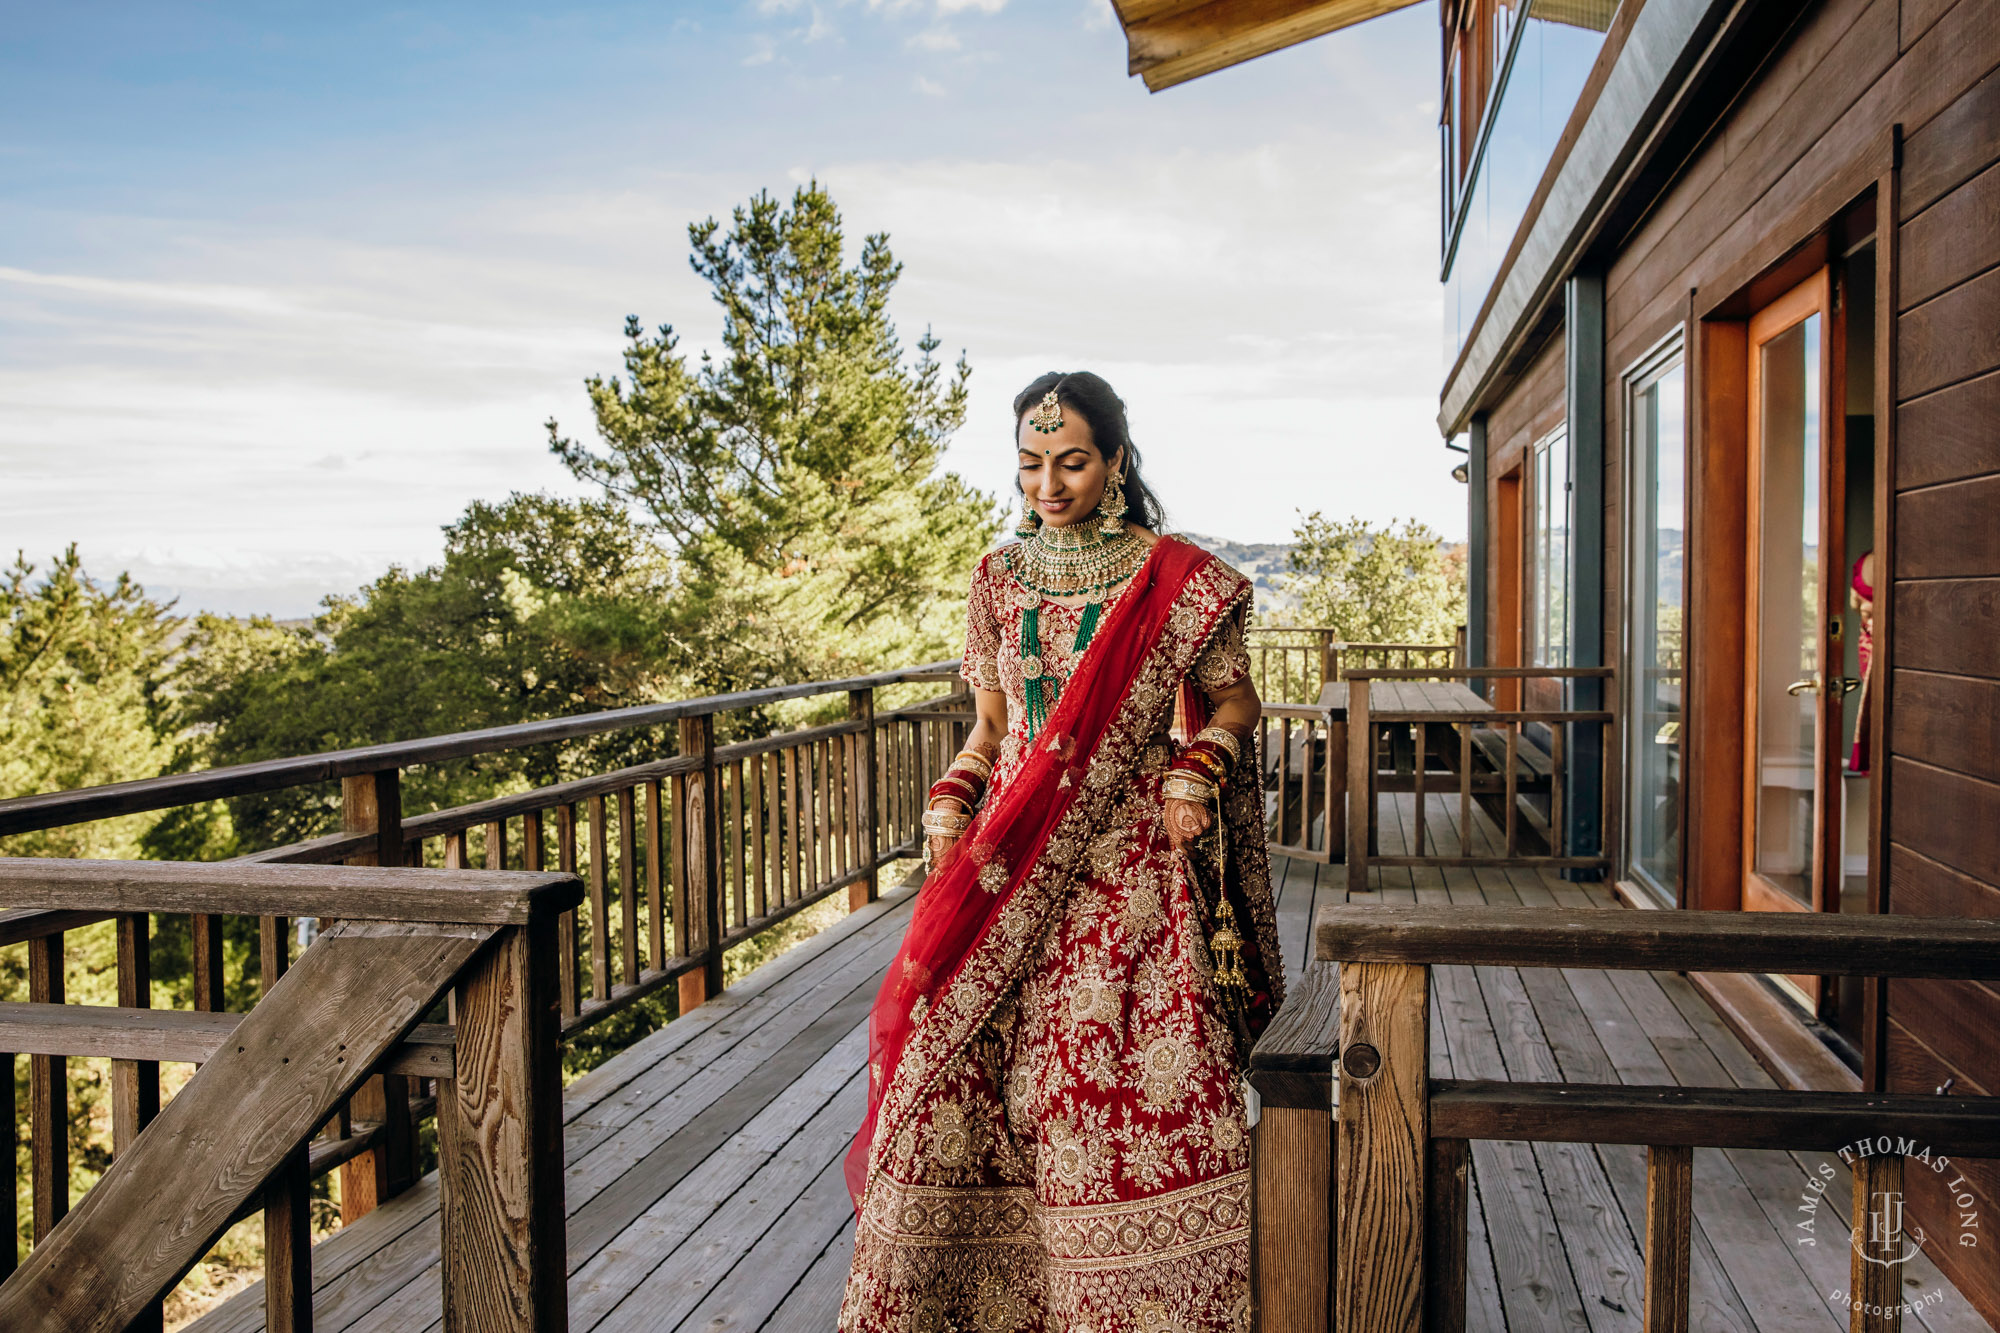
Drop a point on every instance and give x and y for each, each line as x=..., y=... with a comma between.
x=980, y=876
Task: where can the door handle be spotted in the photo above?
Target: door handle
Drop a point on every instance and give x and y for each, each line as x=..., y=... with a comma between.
x=1847, y=684
x=1808, y=686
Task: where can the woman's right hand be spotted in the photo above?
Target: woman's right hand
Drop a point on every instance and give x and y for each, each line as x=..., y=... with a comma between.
x=939, y=845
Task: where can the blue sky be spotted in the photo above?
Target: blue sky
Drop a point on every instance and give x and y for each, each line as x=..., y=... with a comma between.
x=282, y=287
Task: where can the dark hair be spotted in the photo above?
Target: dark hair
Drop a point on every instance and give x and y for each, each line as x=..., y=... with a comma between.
x=1103, y=411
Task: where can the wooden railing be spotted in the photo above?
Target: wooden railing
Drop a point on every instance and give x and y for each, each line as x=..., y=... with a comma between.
x=1291, y=664
x=1512, y=761
x=1303, y=752
x=239, y=1137
x=1361, y=1158
x=682, y=857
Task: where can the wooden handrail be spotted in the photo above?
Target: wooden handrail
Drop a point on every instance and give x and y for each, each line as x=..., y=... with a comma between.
x=26, y=814
x=365, y=893
x=1781, y=1119
x=1479, y=673
x=107, y=1032
x=1823, y=944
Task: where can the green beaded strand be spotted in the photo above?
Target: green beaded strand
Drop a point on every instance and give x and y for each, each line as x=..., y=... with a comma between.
x=1043, y=692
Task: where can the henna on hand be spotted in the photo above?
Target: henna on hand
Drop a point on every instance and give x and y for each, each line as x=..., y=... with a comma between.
x=1185, y=821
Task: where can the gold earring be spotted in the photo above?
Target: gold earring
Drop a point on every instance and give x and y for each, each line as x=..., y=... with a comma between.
x=1111, y=507
x=1030, y=520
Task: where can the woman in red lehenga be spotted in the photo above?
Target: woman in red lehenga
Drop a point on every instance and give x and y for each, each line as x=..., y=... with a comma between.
x=1055, y=1137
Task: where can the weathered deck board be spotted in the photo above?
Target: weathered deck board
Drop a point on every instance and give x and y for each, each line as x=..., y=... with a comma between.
x=704, y=1187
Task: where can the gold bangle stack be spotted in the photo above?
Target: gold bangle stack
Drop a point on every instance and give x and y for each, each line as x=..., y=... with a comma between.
x=945, y=823
x=1226, y=739
x=1181, y=787
x=973, y=762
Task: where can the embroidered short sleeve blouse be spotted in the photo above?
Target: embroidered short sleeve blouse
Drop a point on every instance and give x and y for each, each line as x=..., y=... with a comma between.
x=993, y=649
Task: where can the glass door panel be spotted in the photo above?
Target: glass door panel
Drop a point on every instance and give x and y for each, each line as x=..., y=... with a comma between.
x=1790, y=626
x=1659, y=453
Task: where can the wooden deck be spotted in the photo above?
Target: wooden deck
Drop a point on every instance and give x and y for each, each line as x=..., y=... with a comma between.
x=704, y=1188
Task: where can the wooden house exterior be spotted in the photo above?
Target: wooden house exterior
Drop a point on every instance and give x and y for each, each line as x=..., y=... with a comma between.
x=1722, y=289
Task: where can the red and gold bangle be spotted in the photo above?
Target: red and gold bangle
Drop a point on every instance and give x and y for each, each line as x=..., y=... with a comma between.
x=960, y=786
x=1206, y=760
x=1222, y=757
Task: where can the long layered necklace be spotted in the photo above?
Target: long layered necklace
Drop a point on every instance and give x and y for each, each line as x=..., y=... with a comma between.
x=1077, y=560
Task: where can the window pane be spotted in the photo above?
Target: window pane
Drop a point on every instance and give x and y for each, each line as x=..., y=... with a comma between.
x=1549, y=625
x=1788, y=600
x=1658, y=460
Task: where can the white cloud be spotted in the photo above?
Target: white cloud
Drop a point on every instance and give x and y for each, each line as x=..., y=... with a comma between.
x=935, y=39
x=1267, y=314
x=927, y=87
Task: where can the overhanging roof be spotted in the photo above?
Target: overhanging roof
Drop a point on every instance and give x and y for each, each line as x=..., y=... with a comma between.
x=1172, y=41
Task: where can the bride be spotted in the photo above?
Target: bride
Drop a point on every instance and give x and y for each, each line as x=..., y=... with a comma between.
x=1055, y=1136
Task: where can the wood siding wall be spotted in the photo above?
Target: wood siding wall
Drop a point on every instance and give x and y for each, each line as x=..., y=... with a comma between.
x=1810, y=136
x=1944, y=717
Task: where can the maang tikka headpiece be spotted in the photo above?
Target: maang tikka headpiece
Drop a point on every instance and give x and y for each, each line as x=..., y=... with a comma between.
x=1047, y=418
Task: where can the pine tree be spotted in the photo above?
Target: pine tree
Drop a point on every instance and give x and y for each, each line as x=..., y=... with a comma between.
x=794, y=476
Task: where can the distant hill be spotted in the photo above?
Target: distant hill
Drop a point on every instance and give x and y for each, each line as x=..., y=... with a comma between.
x=1264, y=563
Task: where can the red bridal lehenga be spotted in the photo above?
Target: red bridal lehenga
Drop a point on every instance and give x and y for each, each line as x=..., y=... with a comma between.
x=1055, y=1138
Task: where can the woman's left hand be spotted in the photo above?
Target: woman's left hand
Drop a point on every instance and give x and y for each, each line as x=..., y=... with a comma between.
x=1186, y=821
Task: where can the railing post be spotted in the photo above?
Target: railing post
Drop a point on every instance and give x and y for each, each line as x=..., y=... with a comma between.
x=373, y=803
x=1360, y=783
x=288, y=1287
x=48, y=1096
x=1291, y=1231
x=1335, y=777
x=1875, y=1281
x=500, y=1146
x=288, y=1282
x=1669, y=1236
x=10, y=1215
x=1381, y=1147
x=1448, y=1195
x=698, y=844
x=867, y=818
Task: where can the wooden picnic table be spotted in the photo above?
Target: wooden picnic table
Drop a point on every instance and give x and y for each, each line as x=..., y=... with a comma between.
x=1392, y=700
x=1418, y=702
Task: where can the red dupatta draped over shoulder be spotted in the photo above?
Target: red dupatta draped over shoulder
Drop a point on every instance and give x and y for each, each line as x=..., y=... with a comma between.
x=946, y=979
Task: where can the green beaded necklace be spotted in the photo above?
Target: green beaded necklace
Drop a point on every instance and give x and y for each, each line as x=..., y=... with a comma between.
x=1080, y=560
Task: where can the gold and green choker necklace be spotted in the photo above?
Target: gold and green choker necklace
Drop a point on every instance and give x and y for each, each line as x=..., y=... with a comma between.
x=1079, y=560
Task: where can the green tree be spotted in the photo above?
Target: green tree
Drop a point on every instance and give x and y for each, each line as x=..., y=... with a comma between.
x=1393, y=584
x=795, y=474
x=540, y=607
x=80, y=664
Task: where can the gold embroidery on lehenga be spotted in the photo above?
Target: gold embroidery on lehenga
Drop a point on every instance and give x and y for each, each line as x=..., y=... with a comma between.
x=999, y=1309
x=1031, y=1214
x=1166, y=1060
